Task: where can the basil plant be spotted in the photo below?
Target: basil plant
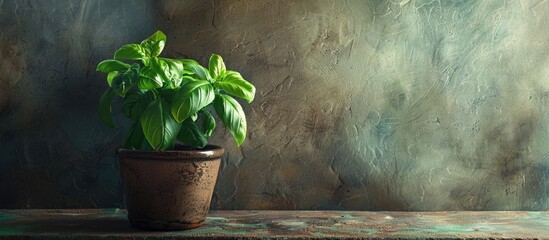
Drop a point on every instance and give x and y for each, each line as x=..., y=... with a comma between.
x=172, y=99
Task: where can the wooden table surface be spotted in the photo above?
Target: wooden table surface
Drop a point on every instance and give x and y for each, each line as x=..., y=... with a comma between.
x=112, y=224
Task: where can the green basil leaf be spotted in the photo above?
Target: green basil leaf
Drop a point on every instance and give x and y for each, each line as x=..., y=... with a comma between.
x=193, y=66
x=170, y=70
x=111, y=65
x=231, y=114
x=105, y=108
x=216, y=66
x=208, y=124
x=155, y=37
x=159, y=67
x=155, y=48
x=158, y=126
x=234, y=84
x=110, y=76
x=155, y=43
x=135, y=68
x=148, y=79
x=135, y=137
x=131, y=51
x=130, y=105
x=167, y=94
x=194, y=117
x=192, y=97
x=122, y=82
x=191, y=135
x=187, y=79
x=135, y=103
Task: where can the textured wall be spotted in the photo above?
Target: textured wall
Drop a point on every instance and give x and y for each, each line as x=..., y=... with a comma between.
x=412, y=105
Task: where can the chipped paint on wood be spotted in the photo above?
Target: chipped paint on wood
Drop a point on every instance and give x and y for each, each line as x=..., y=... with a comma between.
x=112, y=223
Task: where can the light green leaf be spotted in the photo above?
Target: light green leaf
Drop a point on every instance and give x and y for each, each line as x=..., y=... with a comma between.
x=231, y=114
x=155, y=37
x=111, y=65
x=135, y=137
x=187, y=79
x=148, y=79
x=170, y=70
x=199, y=71
x=192, y=97
x=234, y=84
x=105, y=108
x=131, y=51
x=158, y=126
x=216, y=66
x=155, y=43
x=191, y=135
x=208, y=123
x=110, y=76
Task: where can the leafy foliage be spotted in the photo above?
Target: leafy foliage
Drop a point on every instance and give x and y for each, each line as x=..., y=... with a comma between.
x=231, y=115
x=167, y=97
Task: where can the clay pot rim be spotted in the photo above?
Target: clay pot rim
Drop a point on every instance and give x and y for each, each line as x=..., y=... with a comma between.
x=181, y=152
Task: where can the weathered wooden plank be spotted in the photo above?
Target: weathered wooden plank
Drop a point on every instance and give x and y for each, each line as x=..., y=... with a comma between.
x=112, y=223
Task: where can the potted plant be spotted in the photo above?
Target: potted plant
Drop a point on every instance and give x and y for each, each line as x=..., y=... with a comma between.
x=168, y=185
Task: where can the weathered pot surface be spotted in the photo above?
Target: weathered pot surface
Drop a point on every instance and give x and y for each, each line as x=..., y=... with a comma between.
x=169, y=190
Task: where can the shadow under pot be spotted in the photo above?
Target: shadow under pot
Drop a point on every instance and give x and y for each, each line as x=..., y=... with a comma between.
x=169, y=190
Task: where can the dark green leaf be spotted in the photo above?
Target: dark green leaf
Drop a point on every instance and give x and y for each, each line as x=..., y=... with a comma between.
x=123, y=81
x=135, y=67
x=167, y=94
x=111, y=65
x=216, y=66
x=158, y=126
x=148, y=79
x=131, y=51
x=135, y=103
x=130, y=106
x=135, y=137
x=231, y=114
x=192, y=97
x=199, y=71
x=208, y=123
x=191, y=135
x=234, y=84
x=105, y=108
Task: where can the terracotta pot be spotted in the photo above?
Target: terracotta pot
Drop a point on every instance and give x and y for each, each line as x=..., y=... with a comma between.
x=169, y=190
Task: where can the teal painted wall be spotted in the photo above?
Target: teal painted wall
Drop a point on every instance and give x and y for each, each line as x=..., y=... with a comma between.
x=367, y=105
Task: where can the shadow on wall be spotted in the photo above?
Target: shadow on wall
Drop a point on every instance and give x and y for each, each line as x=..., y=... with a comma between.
x=55, y=153
x=365, y=105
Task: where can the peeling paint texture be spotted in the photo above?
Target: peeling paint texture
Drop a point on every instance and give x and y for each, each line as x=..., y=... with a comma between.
x=361, y=105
